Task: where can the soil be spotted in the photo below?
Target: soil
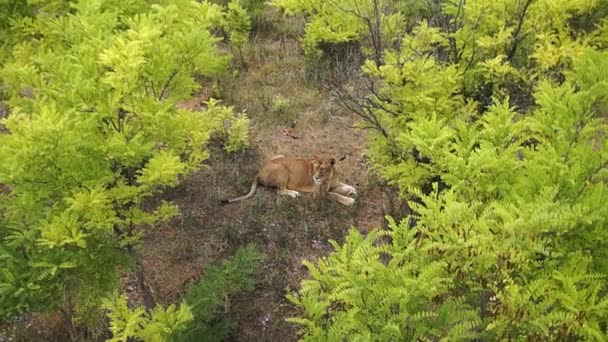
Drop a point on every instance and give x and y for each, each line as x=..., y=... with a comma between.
x=287, y=230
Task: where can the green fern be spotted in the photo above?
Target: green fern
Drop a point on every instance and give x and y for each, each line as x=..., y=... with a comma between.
x=206, y=296
x=489, y=117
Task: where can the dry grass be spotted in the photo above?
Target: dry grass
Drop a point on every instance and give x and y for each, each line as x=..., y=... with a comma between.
x=287, y=230
x=33, y=327
x=292, y=116
x=277, y=94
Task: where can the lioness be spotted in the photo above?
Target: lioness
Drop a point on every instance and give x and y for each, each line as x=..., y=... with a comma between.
x=291, y=175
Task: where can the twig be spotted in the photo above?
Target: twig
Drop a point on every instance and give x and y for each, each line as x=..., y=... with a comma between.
x=516, y=38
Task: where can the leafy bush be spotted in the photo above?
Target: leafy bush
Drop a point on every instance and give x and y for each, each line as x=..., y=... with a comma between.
x=208, y=295
x=342, y=21
x=237, y=23
x=382, y=292
x=94, y=131
x=158, y=325
x=280, y=104
x=197, y=318
x=489, y=118
x=238, y=134
x=254, y=8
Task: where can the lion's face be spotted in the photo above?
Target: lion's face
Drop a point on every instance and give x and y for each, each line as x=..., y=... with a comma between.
x=323, y=168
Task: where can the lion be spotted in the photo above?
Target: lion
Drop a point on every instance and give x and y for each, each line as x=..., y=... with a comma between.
x=291, y=176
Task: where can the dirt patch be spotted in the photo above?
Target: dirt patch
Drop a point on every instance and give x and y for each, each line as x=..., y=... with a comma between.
x=33, y=327
x=287, y=230
x=274, y=92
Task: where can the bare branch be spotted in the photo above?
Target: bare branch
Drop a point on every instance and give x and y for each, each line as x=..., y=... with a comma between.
x=168, y=82
x=588, y=181
x=516, y=38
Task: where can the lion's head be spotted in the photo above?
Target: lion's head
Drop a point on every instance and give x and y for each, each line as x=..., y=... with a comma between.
x=323, y=168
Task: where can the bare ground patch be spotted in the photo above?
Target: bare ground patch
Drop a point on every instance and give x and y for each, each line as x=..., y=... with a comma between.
x=290, y=116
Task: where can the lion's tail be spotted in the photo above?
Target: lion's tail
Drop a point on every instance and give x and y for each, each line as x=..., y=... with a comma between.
x=254, y=187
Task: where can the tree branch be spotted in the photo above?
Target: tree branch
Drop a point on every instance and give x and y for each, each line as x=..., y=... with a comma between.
x=168, y=82
x=588, y=180
x=516, y=38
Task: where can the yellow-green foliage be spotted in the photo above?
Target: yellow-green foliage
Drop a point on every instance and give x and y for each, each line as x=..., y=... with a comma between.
x=127, y=324
x=233, y=128
x=343, y=21
x=237, y=24
x=472, y=67
x=280, y=104
x=373, y=291
x=196, y=317
x=94, y=130
x=490, y=121
x=238, y=134
x=219, y=282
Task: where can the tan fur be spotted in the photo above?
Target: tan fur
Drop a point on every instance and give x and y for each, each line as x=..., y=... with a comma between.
x=294, y=175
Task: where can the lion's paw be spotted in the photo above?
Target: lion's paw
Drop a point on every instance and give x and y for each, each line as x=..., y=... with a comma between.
x=349, y=201
x=293, y=194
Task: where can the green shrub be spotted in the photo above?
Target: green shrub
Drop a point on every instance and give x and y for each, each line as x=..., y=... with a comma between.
x=208, y=295
x=253, y=7
x=158, y=325
x=94, y=130
x=490, y=122
x=237, y=24
x=280, y=105
x=238, y=134
x=198, y=317
x=375, y=22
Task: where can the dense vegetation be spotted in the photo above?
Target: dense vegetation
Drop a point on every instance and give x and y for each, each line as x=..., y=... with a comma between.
x=197, y=318
x=489, y=117
x=95, y=130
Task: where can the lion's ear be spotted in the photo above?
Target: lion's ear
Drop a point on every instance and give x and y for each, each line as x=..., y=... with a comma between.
x=332, y=161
